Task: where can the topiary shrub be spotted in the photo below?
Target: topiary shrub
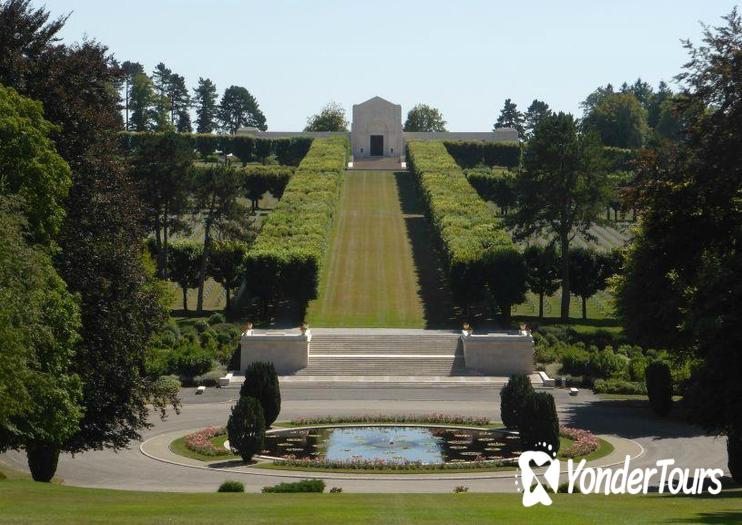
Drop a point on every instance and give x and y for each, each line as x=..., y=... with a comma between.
x=231, y=486
x=734, y=456
x=42, y=460
x=512, y=397
x=659, y=387
x=305, y=485
x=246, y=428
x=539, y=423
x=261, y=382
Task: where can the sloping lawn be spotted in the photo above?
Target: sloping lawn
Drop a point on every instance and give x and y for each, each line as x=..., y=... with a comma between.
x=30, y=503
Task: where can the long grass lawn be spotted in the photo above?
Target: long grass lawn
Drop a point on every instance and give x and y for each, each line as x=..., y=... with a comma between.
x=369, y=277
x=31, y=503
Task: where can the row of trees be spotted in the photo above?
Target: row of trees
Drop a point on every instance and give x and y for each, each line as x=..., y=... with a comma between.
x=79, y=300
x=162, y=101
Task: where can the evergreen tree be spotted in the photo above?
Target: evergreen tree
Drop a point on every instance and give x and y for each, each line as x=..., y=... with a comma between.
x=141, y=103
x=261, y=383
x=180, y=104
x=204, y=99
x=534, y=115
x=129, y=70
x=539, y=423
x=237, y=109
x=512, y=398
x=162, y=81
x=246, y=428
x=510, y=117
x=620, y=120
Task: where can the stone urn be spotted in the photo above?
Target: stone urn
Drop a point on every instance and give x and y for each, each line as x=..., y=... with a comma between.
x=466, y=329
x=304, y=328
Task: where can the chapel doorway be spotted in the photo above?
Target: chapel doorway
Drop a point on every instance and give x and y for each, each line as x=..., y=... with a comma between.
x=377, y=146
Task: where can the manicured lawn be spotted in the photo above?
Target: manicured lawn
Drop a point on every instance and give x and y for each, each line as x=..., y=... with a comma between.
x=372, y=276
x=32, y=503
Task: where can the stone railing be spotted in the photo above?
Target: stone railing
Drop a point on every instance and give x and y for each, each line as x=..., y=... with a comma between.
x=289, y=352
x=499, y=353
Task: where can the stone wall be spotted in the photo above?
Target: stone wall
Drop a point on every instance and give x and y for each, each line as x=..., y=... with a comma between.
x=499, y=354
x=288, y=352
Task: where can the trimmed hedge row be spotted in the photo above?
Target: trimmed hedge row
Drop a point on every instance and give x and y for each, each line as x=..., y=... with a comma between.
x=286, y=256
x=289, y=151
x=472, y=239
x=494, y=184
x=470, y=154
x=259, y=179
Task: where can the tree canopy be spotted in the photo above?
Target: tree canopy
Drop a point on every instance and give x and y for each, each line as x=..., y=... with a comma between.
x=237, y=109
x=510, y=117
x=330, y=118
x=424, y=118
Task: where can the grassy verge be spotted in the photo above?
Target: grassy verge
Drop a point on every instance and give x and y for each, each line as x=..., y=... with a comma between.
x=38, y=503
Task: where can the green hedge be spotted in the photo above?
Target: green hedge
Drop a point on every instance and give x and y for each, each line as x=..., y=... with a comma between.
x=289, y=151
x=494, y=184
x=469, y=234
x=286, y=257
x=469, y=154
x=259, y=179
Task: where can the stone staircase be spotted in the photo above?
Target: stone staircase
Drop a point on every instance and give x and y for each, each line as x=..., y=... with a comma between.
x=424, y=353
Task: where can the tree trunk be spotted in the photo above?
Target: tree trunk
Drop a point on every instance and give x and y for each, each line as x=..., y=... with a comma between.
x=165, y=250
x=584, y=307
x=734, y=456
x=185, y=299
x=158, y=245
x=228, y=299
x=564, y=241
x=541, y=306
x=42, y=460
x=202, y=271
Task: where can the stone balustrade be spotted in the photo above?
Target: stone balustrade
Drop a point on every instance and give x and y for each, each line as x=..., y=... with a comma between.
x=500, y=353
x=289, y=352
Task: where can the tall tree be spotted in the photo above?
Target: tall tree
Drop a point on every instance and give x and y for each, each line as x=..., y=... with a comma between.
x=204, y=99
x=587, y=273
x=141, y=103
x=543, y=272
x=330, y=118
x=180, y=104
x=161, y=165
x=216, y=191
x=563, y=188
x=424, y=118
x=162, y=78
x=101, y=239
x=184, y=267
x=225, y=266
x=129, y=70
x=688, y=248
x=237, y=109
x=535, y=114
x=620, y=120
x=510, y=117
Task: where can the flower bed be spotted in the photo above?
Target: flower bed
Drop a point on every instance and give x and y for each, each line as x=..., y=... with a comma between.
x=201, y=442
x=382, y=464
x=433, y=419
x=585, y=442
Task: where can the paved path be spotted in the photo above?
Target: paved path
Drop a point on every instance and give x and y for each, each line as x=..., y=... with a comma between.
x=130, y=469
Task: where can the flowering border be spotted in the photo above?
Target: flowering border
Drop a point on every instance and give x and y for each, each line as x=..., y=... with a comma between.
x=359, y=463
x=200, y=442
x=585, y=442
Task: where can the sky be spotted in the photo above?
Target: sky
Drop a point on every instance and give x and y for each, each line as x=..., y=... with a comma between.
x=464, y=57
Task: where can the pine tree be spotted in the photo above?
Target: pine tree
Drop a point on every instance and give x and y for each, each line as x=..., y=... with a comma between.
x=129, y=71
x=238, y=109
x=141, y=103
x=510, y=117
x=162, y=79
x=180, y=103
x=205, y=97
x=535, y=114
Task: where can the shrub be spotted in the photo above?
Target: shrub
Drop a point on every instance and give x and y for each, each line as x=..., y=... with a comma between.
x=459, y=489
x=336, y=490
x=469, y=154
x=261, y=382
x=575, y=360
x=512, y=397
x=231, y=486
x=216, y=318
x=473, y=240
x=210, y=378
x=201, y=326
x=285, y=258
x=305, y=485
x=246, y=428
x=618, y=386
x=606, y=363
x=539, y=422
x=189, y=360
x=659, y=387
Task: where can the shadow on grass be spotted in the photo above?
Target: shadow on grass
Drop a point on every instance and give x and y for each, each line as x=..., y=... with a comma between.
x=438, y=307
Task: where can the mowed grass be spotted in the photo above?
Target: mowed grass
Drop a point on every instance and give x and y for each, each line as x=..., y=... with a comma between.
x=33, y=503
x=369, y=278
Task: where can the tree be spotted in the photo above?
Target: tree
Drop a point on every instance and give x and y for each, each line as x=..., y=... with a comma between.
x=543, y=272
x=587, y=275
x=510, y=117
x=129, y=70
x=238, y=109
x=330, y=118
x=620, y=121
x=659, y=387
x=184, y=267
x=506, y=280
x=180, y=103
x=162, y=78
x=512, y=397
x=424, y=118
x=215, y=195
x=225, y=265
x=204, y=100
x=30, y=166
x=261, y=382
x=161, y=165
x=141, y=102
x=562, y=189
x=246, y=428
x=534, y=115
x=539, y=423
x=40, y=396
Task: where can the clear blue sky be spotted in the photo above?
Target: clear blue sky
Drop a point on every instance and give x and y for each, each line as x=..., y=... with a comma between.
x=464, y=57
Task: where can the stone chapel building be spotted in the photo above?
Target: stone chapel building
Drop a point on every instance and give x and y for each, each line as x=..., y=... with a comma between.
x=376, y=132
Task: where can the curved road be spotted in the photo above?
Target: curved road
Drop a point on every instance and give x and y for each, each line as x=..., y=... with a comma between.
x=130, y=469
